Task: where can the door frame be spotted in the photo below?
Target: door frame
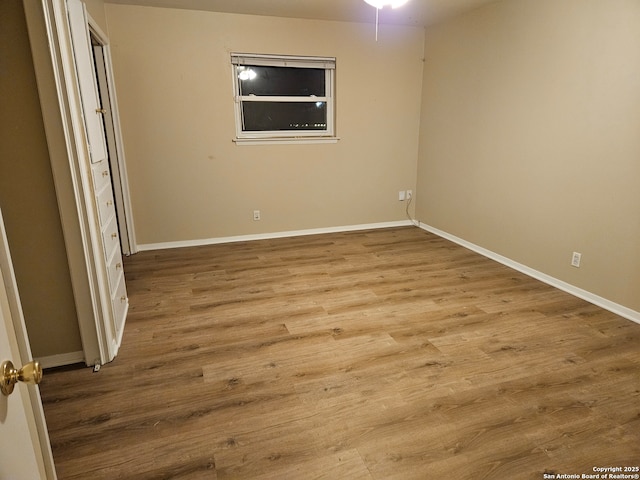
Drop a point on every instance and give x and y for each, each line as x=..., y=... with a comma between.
x=113, y=136
x=54, y=64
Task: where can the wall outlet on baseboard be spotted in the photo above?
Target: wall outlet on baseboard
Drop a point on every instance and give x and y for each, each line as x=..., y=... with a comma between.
x=575, y=259
x=256, y=215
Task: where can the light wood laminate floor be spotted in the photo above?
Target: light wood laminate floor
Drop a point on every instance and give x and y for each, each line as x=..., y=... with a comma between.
x=387, y=354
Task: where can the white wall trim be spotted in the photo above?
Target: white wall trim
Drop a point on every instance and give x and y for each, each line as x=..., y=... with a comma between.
x=285, y=140
x=268, y=236
x=61, y=359
x=613, y=307
x=543, y=277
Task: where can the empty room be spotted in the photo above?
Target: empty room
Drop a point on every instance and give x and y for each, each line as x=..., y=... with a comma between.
x=341, y=239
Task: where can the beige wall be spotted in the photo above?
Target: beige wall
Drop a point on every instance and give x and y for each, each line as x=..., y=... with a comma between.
x=530, y=137
x=28, y=199
x=190, y=181
x=95, y=8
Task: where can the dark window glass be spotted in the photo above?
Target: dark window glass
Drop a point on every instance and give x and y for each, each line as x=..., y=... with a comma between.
x=281, y=81
x=265, y=116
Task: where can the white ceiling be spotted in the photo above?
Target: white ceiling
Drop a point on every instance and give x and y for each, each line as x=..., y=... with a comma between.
x=416, y=12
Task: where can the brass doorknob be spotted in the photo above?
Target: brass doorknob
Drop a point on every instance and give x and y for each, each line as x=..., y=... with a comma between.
x=9, y=376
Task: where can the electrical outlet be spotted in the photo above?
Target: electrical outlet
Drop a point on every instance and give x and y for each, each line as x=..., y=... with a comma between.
x=575, y=259
x=401, y=195
x=409, y=194
x=256, y=215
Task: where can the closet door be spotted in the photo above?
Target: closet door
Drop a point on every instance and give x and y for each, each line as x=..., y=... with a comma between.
x=106, y=241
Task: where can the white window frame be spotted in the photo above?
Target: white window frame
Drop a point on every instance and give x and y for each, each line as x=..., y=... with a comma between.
x=285, y=136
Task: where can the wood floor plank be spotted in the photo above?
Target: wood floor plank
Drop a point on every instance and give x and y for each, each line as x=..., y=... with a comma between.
x=382, y=354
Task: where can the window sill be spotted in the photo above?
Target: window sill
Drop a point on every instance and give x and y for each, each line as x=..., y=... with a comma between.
x=285, y=140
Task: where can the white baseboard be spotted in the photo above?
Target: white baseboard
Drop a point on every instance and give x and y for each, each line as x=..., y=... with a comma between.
x=268, y=236
x=543, y=277
x=61, y=359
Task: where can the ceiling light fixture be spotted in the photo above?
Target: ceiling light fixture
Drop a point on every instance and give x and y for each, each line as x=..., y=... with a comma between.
x=378, y=4
x=381, y=3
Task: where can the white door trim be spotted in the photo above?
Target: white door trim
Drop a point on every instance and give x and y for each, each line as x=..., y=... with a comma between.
x=114, y=139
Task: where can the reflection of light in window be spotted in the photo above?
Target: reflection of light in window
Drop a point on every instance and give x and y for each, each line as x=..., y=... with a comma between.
x=319, y=104
x=246, y=73
x=307, y=125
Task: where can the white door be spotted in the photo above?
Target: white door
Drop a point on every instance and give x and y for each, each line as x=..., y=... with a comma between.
x=107, y=249
x=25, y=452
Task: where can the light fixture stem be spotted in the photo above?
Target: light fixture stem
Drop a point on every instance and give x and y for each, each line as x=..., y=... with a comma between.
x=377, y=12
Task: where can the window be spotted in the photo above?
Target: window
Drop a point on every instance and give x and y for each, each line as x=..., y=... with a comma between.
x=282, y=98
